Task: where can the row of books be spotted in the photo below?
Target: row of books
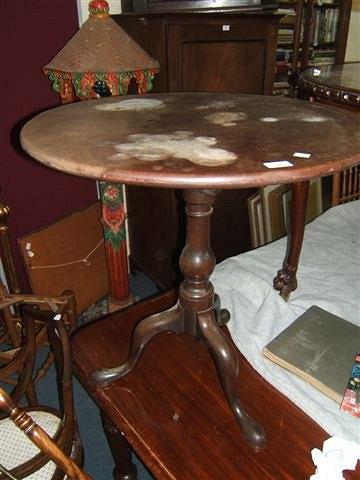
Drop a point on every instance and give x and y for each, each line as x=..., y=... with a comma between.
x=286, y=4
x=283, y=66
x=324, y=26
x=322, y=56
x=317, y=56
x=327, y=2
x=285, y=36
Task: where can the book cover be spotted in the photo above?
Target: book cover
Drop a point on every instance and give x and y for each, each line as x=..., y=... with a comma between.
x=320, y=347
x=351, y=400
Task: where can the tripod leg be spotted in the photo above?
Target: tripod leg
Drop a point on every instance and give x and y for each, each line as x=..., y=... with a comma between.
x=221, y=314
x=169, y=320
x=227, y=364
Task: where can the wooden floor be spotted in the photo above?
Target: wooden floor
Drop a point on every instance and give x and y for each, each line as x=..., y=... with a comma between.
x=172, y=410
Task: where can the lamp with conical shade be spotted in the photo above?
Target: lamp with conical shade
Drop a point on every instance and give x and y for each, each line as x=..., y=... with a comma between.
x=100, y=60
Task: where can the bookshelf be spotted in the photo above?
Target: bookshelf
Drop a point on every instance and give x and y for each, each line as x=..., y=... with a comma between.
x=311, y=32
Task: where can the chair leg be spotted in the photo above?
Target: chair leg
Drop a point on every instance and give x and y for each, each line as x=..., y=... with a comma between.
x=31, y=395
x=10, y=321
x=121, y=452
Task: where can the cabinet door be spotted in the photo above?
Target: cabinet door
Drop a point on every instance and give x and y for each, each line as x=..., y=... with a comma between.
x=226, y=55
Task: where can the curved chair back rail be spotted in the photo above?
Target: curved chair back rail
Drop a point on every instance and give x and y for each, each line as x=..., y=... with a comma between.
x=64, y=434
x=40, y=438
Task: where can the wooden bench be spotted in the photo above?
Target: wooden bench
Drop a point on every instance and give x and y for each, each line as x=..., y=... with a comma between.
x=173, y=413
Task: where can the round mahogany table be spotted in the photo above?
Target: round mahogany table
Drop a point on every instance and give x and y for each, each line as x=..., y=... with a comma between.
x=200, y=142
x=336, y=84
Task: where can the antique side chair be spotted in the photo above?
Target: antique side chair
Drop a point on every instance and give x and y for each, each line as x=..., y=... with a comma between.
x=11, y=301
x=40, y=438
x=11, y=353
x=346, y=185
x=18, y=454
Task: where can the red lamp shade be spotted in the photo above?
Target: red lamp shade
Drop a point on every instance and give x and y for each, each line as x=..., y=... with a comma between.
x=100, y=59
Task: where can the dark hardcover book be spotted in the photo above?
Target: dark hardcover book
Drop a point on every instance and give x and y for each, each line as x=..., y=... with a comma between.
x=320, y=348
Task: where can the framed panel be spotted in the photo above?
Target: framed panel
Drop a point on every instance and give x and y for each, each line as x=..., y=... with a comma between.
x=276, y=202
x=68, y=255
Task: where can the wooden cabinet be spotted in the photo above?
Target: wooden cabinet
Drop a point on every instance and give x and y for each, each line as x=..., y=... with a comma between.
x=222, y=52
x=212, y=51
x=227, y=54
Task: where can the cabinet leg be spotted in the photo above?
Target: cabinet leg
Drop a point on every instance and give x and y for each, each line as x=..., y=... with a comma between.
x=285, y=280
x=121, y=452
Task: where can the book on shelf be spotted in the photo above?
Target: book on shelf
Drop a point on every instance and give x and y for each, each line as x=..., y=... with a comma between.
x=284, y=55
x=282, y=68
x=281, y=80
x=320, y=3
x=322, y=62
x=281, y=92
x=285, y=36
x=324, y=26
x=322, y=56
x=319, y=347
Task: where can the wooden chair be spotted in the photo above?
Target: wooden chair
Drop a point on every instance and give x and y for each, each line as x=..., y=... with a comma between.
x=6, y=255
x=10, y=318
x=10, y=336
x=40, y=438
x=346, y=186
x=17, y=453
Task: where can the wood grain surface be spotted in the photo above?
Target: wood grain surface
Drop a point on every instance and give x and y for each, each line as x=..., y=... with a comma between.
x=173, y=412
x=194, y=140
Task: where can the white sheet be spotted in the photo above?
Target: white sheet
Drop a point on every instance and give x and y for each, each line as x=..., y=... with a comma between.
x=328, y=276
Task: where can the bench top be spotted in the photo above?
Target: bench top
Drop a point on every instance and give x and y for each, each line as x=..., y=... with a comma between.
x=173, y=412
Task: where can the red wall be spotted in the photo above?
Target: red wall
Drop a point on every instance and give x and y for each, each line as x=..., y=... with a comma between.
x=32, y=32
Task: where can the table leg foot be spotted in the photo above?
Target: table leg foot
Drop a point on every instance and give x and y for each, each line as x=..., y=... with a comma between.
x=285, y=281
x=221, y=314
x=227, y=364
x=169, y=320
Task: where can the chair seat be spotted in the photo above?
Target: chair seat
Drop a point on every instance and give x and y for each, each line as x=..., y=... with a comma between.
x=16, y=448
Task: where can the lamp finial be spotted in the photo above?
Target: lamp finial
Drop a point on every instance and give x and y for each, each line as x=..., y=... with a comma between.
x=99, y=8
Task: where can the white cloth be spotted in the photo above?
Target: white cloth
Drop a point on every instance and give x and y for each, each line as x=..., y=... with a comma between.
x=337, y=455
x=328, y=276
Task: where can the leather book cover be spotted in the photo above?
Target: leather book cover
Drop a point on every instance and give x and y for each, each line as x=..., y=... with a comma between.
x=320, y=348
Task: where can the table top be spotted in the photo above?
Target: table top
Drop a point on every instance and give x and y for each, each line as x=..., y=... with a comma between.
x=195, y=140
x=344, y=76
x=172, y=409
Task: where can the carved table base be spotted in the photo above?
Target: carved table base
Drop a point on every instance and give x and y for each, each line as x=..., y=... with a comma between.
x=197, y=313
